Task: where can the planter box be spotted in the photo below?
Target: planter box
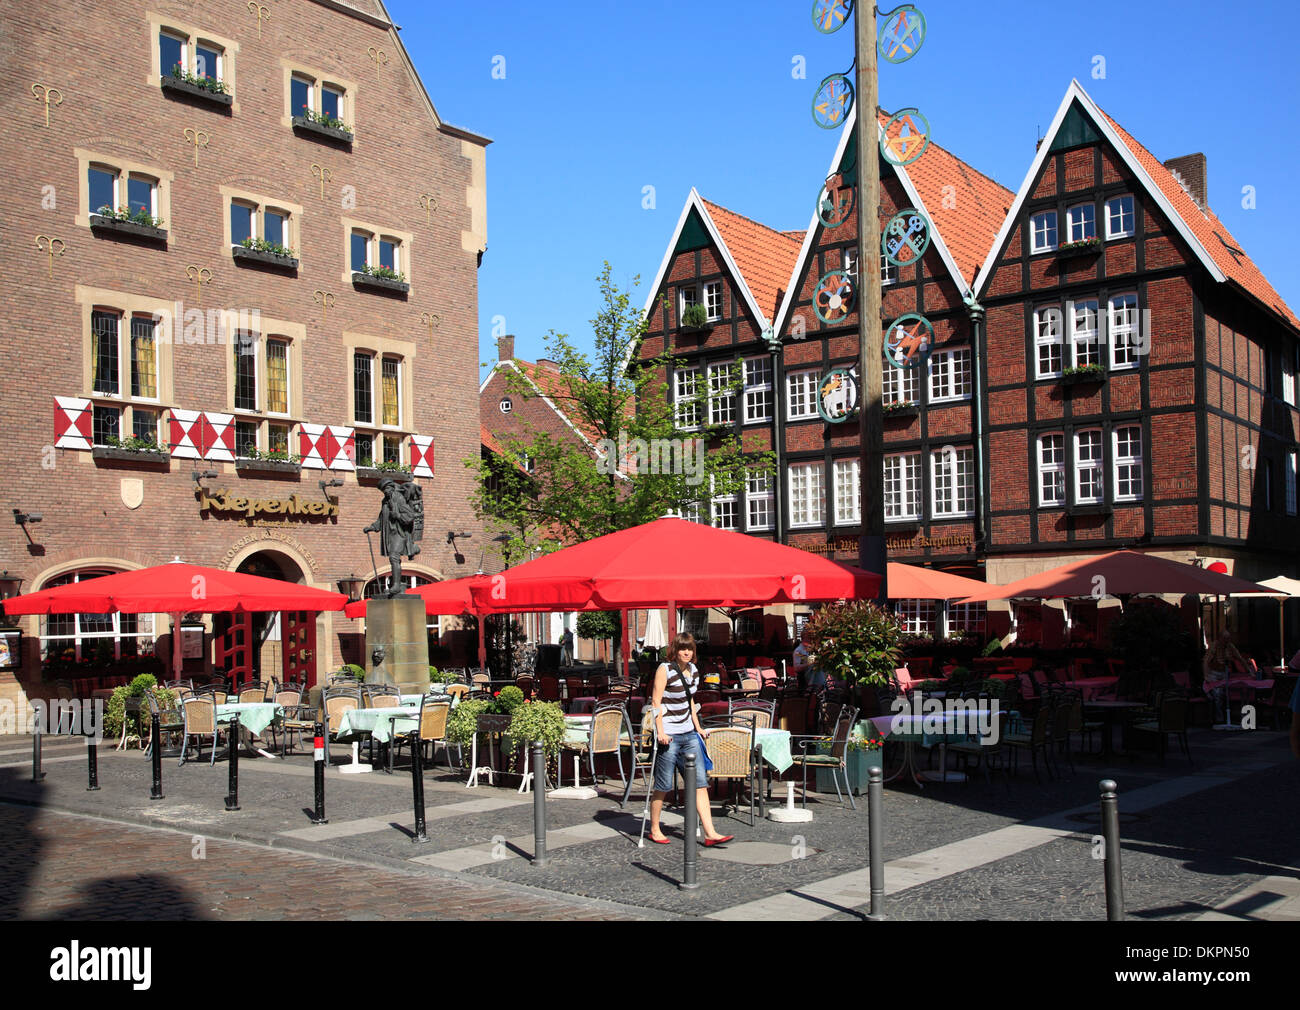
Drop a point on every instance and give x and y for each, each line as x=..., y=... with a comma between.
x=114, y=454
x=361, y=280
x=179, y=87
x=1083, y=378
x=333, y=133
x=267, y=466
x=492, y=722
x=99, y=223
x=910, y=411
x=697, y=330
x=375, y=474
x=858, y=762
x=1070, y=252
x=1089, y=510
x=252, y=256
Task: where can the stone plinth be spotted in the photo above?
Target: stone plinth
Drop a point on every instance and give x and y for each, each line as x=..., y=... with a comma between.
x=398, y=626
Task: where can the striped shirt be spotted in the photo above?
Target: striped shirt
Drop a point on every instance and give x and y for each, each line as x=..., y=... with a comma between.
x=676, y=702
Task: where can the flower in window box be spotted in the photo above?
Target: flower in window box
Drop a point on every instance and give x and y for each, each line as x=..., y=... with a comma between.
x=1084, y=245
x=1084, y=372
x=386, y=273
x=262, y=245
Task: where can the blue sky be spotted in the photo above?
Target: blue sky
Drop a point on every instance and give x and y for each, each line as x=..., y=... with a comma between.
x=599, y=101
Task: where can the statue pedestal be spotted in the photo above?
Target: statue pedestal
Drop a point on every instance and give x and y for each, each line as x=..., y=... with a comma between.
x=398, y=626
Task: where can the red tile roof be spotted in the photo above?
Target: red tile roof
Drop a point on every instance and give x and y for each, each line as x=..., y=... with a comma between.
x=764, y=255
x=1208, y=229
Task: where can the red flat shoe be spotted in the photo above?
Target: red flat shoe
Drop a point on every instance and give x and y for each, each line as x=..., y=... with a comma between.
x=711, y=842
x=659, y=841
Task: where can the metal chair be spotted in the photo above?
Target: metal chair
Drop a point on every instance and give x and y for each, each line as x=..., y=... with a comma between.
x=166, y=713
x=1171, y=720
x=434, y=711
x=608, y=722
x=334, y=702
x=731, y=749
x=290, y=700
x=835, y=761
x=200, y=720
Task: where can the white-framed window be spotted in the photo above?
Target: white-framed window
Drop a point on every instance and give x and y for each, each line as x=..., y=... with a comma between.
x=97, y=637
x=1085, y=348
x=1088, y=483
x=180, y=54
x=713, y=300
x=760, y=501
x=250, y=222
x=1051, y=469
x=848, y=492
x=1120, y=222
x=376, y=390
x=1127, y=450
x=967, y=617
x=1123, y=328
x=1082, y=222
x=888, y=271
x=903, y=487
x=917, y=616
x=758, y=390
x=690, y=295
x=685, y=391
x=1042, y=232
x=725, y=512
x=722, y=397
x=807, y=483
x=371, y=252
x=1290, y=484
x=899, y=385
x=363, y=387
x=952, y=476
x=1288, y=377
x=1049, y=341
x=319, y=100
x=950, y=375
x=691, y=512
x=125, y=362
x=801, y=395
x=114, y=190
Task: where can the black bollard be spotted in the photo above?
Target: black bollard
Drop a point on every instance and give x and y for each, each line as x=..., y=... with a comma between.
x=38, y=772
x=232, y=800
x=318, y=756
x=692, y=817
x=539, y=804
x=92, y=764
x=1110, y=832
x=155, y=755
x=417, y=786
x=876, y=841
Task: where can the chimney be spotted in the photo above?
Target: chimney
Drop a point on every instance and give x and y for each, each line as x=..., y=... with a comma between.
x=1189, y=170
x=505, y=347
x=548, y=364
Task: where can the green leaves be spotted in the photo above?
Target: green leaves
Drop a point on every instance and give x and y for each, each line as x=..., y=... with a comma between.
x=855, y=641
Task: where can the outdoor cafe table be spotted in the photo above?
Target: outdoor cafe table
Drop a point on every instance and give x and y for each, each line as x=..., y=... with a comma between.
x=254, y=717
x=909, y=729
x=381, y=723
x=1091, y=686
x=1108, y=710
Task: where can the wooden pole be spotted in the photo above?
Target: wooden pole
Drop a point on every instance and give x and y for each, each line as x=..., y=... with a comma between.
x=871, y=542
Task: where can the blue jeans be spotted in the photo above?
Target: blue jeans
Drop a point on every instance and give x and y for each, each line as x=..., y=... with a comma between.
x=672, y=758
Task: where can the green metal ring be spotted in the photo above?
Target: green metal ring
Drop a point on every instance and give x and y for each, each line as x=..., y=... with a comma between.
x=844, y=296
x=834, y=212
x=842, y=113
x=898, y=117
x=821, y=392
x=897, y=43
x=923, y=352
x=824, y=9
x=900, y=228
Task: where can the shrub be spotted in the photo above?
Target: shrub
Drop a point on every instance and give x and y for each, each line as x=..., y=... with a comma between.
x=695, y=316
x=508, y=699
x=856, y=642
x=462, y=724
x=353, y=670
x=537, y=720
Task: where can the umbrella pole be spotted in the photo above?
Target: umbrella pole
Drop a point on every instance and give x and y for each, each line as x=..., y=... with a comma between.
x=625, y=644
x=176, y=646
x=671, y=630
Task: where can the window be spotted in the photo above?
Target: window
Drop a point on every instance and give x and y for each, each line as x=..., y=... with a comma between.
x=1084, y=347
x=969, y=617
x=365, y=448
x=93, y=637
x=848, y=492
x=144, y=357
x=1128, y=463
x=950, y=375
x=684, y=398
x=1051, y=470
x=1125, y=346
x=1087, y=467
x=725, y=512
x=277, y=377
x=690, y=297
x=277, y=438
x=1042, y=232
x=369, y=252
x=691, y=512
x=363, y=400
x=1049, y=341
x=903, y=487
x=245, y=437
x=1288, y=378
x=360, y=250
x=807, y=494
x=251, y=221
x=759, y=501
x=317, y=100
x=917, y=616
x=181, y=54
x=899, y=385
x=113, y=190
x=104, y=352
x=722, y=398
x=144, y=424
x=1290, y=484
x=1119, y=217
x=105, y=422
x=713, y=300
x=389, y=251
x=801, y=395
x=245, y=347
x=390, y=372
x=365, y=396
x=888, y=271
x=242, y=218
x=758, y=390
x=952, y=477
x=1082, y=221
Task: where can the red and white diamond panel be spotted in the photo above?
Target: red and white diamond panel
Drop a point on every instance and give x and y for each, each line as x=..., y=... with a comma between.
x=422, y=455
x=327, y=447
x=199, y=434
x=72, y=423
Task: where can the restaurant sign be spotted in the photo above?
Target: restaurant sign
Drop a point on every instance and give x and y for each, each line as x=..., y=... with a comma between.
x=849, y=545
x=223, y=504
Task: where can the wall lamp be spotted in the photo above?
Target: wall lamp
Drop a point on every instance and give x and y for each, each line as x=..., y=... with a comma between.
x=200, y=475
x=323, y=484
x=22, y=518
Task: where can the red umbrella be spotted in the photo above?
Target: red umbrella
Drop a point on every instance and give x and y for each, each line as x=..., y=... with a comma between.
x=450, y=596
x=1120, y=573
x=912, y=582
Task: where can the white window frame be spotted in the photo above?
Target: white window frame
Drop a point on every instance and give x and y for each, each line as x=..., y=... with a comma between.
x=754, y=391
x=315, y=88
x=254, y=340
x=80, y=640
x=899, y=385
x=948, y=506
x=807, y=498
x=918, y=616
x=848, y=491
x=121, y=186
x=722, y=402
x=760, y=496
x=950, y=368
x=1128, y=460
x=1097, y=466
x=1290, y=463
x=1123, y=322
x=718, y=500
x=713, y=300
x=1049, y=333
x=377, y=396
x=902, y=477
x=1035, y=246
x=399, y=252
x=686, y=297
x=804, y=382
x=1084, y=337
x=1118, y=213
x=1078, y=218
x=1288, y=379
x=686, y=406
x=1052, y=442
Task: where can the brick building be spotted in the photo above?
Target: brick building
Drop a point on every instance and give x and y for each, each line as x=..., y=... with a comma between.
x=271, y=250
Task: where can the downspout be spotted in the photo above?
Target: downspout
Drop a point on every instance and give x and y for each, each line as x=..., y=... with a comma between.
x=778, y=433
x=975, y=312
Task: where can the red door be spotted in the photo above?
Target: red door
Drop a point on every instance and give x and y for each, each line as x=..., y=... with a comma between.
x=298, y=645
x=232, y=651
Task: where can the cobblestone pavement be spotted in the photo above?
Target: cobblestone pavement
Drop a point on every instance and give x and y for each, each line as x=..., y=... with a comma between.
x=1212, y=831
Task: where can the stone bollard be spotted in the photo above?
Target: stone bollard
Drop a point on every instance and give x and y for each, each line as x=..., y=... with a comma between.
x=876, y=841
x=1110, y=832
x=691, y=825
x=539, y=804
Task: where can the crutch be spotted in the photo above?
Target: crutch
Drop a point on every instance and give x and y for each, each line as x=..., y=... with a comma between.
x=654, y=756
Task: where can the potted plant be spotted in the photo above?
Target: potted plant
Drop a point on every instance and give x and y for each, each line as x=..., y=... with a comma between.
x=695, y=317
x=1083, y=247
x=368, y=469
x=132, y=449
x=259, y=250
x=901, y=408
x=124, y=221
x=322, y=124
x=856, y=642
x=533, y=721
x=274, y=461
x=381, y=278
x=207, y=89
x=861, y=754
x=1074, y=376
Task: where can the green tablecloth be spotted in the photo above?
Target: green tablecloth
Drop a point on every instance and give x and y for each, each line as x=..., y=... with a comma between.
x=254, y=716
x=380, y=723
x=774, y=746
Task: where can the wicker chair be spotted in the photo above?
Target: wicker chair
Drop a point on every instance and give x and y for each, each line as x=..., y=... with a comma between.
x=792, y=714
x=200, y=720
x=434, y=711
x=834, y=761
x=251, y=692
x=757, y=714
x=608, y=722
x=216, y=692
x=460, y=691
x=334, y=702
x=731, y=749
x=290, y=700
x=381, y=696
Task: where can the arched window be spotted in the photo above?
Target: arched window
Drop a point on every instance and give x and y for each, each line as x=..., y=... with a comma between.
x=94, y=637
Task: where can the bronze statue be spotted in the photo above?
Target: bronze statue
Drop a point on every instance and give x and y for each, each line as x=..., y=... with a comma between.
x=400, y=527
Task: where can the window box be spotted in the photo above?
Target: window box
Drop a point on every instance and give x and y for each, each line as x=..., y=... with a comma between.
x=1101, y=509
x=1083, y=376
x=338, y=134
x=112, y=225
x=264, y=256
x=903, y=410
x=695, y=319
x=179, y=86
x=1084, y=247
x=380, y=283
x=116, y=454
x=267, y=466
x=376, y=474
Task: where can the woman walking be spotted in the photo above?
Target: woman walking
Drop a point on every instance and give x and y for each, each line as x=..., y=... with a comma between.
x=677, y=727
